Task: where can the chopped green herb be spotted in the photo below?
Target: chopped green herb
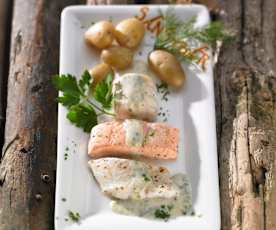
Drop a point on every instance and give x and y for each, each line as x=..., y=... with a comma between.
x=151, y=132
x=165, y=96
x=146, y=178
x=74, y=216
x=162, y=213
x=66, y=156
x=67, y=148
x=163, y=89
x=66, y=219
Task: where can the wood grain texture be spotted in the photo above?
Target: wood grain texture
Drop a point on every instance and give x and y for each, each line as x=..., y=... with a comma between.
x=5, y=23
x=108, y=2
x=27, y=170
x=245, y=103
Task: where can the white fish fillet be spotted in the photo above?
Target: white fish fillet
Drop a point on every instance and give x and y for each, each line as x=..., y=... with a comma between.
x=139, y=188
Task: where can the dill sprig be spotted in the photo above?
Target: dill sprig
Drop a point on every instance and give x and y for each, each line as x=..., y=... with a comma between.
x=185, y=41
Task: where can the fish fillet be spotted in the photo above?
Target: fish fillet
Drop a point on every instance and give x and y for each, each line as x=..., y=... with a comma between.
x=134, y=138
x=138, y=188
x=135, y=96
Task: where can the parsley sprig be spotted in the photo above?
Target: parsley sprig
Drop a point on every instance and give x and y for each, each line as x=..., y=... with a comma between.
x=76, y=97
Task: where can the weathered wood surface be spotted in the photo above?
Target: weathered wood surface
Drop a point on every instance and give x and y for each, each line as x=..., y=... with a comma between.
x=245, y=103
x=27, y=170
x=5, y=18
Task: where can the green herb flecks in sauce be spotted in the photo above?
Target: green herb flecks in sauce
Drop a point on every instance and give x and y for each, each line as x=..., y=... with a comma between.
x=163, y=212
x=146, y=177
x=134, y=133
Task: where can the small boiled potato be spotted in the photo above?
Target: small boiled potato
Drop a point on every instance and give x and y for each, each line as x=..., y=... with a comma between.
x=100, y=35
x=99, y=72
x=117, y=57
x=167, y=68
x=130, y=32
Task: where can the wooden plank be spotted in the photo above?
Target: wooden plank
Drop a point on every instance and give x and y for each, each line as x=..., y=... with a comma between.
x=108, y=2
x=245, y=103
x=27, y=170
x=5, y=23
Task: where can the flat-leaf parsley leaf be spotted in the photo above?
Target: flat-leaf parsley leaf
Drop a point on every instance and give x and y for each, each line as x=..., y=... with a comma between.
x=103, y=92
x=75, y=97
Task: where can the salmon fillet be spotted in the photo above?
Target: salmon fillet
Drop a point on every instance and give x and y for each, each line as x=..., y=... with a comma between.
x=158, y=141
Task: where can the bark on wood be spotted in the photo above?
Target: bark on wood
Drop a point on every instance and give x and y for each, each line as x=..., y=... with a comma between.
x=5, y=21
x=27, y=170
x=245, y=102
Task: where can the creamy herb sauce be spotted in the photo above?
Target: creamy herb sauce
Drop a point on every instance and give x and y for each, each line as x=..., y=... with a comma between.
x=159, y=207
x=135, y=94
x=134, y=133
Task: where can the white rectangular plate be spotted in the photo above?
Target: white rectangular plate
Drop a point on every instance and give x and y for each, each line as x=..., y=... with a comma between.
x=191, y=110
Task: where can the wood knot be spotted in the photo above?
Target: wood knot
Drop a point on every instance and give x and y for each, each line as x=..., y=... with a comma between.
x=240, y=190
x=38, y=197
x=23, y=150
x=238, y=80
x=45, y=178
x=265, y=142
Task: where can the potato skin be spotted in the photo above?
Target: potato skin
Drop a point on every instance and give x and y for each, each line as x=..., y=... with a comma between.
x=99, y=72
x=130, y=32
x=167, y=68
x=117, y=57
x=100, y=35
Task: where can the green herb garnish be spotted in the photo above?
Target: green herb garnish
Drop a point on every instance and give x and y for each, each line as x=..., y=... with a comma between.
x=163, y=89
x=76, y=98
x=163, y=212
x=151, y=133
x=146, y=178
x=103, y=92
x=74, y=216
x=185, y=41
